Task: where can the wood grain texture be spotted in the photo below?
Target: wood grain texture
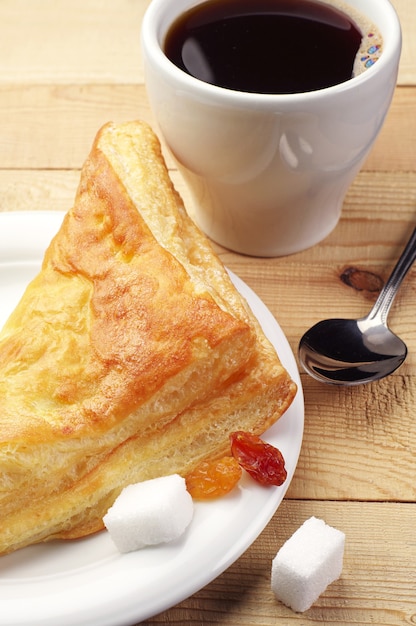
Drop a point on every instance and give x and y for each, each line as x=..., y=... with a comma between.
x=376, y=587
x=57, y=42
x=66, y=69
x=406, y=10
x=78, y=111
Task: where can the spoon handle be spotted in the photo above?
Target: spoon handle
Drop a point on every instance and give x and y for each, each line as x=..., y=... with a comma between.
x=386, y=296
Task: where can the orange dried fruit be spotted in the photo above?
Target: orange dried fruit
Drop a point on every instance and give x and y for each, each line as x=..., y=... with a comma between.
x=212, y=479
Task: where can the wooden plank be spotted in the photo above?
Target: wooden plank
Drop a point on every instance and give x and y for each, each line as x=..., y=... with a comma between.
x=395, y=148
x=368, y=449
x=37, y=190
x=406, y=10
x=66, y=42
x=67, y=47
x=359, y=443
x=377, y=585
x=62, y=121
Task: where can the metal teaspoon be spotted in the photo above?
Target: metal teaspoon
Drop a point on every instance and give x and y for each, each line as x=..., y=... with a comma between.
x=352, y=352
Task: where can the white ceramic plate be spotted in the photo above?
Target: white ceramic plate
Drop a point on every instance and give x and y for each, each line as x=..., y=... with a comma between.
x=87, y=582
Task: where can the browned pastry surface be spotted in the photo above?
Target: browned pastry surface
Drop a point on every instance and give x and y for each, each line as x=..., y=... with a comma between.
x=131, y=355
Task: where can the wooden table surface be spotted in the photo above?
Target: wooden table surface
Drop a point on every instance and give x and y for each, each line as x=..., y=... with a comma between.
x=67, y=67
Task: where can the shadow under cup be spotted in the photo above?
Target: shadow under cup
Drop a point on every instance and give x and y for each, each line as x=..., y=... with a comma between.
x=268, y=173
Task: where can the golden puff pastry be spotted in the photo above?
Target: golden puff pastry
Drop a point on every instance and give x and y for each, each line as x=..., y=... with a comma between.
x=131, y=355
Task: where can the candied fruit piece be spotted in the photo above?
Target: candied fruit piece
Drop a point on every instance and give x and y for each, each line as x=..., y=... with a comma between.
x=260, y=459
x=211, y=479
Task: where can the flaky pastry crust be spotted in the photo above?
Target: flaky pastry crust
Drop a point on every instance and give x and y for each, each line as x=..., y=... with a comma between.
x=131, y=355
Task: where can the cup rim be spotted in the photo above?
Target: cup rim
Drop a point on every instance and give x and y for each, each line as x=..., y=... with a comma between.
x=153, y=30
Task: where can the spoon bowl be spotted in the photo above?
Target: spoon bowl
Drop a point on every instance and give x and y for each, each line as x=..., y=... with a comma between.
x=350, y=352
x=353, y=352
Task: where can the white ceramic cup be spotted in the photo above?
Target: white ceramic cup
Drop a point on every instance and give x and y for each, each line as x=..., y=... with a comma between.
x=268, y=173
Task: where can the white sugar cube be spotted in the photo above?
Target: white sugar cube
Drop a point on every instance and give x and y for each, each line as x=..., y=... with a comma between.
x=307, y=563
x=148, y=513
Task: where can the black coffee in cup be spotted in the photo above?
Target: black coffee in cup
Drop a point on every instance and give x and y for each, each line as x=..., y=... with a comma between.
x=272, y=46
